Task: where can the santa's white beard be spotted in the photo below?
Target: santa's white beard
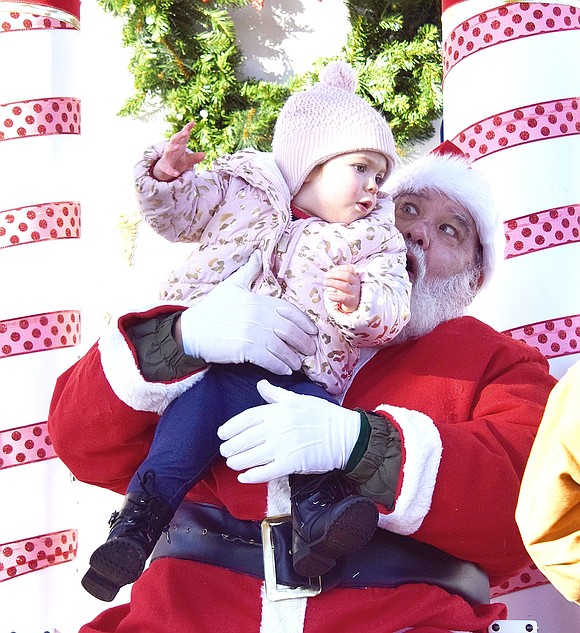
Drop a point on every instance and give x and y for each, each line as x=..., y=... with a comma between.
x=434, y=301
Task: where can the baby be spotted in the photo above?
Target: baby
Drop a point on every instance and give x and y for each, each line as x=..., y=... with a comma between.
x=325, y=235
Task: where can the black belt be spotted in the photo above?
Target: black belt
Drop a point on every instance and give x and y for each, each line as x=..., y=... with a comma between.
x=209, y=534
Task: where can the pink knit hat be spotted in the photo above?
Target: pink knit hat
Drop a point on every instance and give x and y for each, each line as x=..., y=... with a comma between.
x=325, y=121
x=447, y=171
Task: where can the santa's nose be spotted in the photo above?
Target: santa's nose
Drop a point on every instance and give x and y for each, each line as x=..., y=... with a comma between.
x=417, y=233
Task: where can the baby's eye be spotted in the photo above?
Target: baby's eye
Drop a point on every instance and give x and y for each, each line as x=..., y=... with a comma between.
x=380, y=180
x=361, y=168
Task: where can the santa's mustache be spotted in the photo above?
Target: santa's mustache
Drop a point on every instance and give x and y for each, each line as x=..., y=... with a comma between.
x=416, y=262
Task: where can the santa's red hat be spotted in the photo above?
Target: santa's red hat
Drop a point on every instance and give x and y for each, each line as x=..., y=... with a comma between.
x=447, y=171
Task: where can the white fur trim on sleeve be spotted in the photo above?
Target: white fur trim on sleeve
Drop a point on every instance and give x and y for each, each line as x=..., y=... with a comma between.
x=127, y=381
x=422, y=456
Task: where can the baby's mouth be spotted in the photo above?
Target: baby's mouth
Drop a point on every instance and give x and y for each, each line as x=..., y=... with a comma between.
x=365, y=206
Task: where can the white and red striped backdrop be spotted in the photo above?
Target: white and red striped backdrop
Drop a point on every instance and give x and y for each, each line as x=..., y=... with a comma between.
x=63, y=271
x=40, y=313
x=512, y=104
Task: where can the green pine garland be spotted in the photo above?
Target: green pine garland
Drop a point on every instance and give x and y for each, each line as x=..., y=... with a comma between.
x=186, y=58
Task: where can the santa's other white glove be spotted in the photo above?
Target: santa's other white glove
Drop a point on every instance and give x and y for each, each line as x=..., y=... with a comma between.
x=294, y=434
x=234, y=325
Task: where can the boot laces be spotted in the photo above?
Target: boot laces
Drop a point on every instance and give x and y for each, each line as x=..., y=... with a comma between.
x=142, y=511
x=326, y=488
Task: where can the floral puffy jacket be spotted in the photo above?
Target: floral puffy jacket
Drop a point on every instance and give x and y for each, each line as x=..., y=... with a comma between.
x=243, y=204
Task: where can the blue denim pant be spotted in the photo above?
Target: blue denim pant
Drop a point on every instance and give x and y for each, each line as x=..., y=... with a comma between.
x=186, y=440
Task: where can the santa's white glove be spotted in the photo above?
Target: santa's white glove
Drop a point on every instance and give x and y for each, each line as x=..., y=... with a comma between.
x=234, y=325
x=295, y=434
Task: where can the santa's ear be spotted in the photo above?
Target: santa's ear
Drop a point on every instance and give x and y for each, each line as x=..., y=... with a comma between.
x=477, y=281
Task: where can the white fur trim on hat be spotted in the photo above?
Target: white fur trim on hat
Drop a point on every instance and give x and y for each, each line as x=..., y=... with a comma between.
x=454, y=177
x=325, y=121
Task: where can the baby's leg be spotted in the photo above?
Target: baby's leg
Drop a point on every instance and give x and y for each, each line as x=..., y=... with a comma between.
x=184, y=446
x=330, y=518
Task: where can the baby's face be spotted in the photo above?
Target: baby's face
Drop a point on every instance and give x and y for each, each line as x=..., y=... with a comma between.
x=344, y=188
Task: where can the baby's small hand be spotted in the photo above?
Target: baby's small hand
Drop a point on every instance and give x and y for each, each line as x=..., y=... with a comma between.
x=344, y=287
x=175, y=160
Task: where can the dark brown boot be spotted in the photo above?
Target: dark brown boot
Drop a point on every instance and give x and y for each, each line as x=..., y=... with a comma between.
x=135, y=530
x=329, y=520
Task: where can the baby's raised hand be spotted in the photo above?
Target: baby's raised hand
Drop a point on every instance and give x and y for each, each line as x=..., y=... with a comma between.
x=344, y=287
x=175, y=160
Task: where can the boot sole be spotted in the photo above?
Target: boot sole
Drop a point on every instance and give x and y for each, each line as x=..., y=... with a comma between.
x=351, y=530
x=112, y=565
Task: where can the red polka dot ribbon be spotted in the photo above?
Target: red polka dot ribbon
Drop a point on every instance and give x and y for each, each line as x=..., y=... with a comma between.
x=541, y=230
x=44, y=7
x=25, y=445
x=32, y=554
x=40, y=222
x=557, y=337
x=40, y=332
x=502, y=24
x=540, y=121
x=40, y=117
x=17, y=21
x=528, y=577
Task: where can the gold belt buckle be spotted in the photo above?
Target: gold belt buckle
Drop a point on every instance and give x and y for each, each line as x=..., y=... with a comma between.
x=274, y=590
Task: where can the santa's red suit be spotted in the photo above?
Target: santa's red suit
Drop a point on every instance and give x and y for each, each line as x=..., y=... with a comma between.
x=467, y=401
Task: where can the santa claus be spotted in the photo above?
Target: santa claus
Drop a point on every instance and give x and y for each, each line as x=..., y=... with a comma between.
x=444, y=419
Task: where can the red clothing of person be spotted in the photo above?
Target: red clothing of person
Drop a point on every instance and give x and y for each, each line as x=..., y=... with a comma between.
x=467, y=401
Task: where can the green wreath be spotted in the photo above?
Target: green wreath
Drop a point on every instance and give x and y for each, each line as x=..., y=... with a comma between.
x=186, y=58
